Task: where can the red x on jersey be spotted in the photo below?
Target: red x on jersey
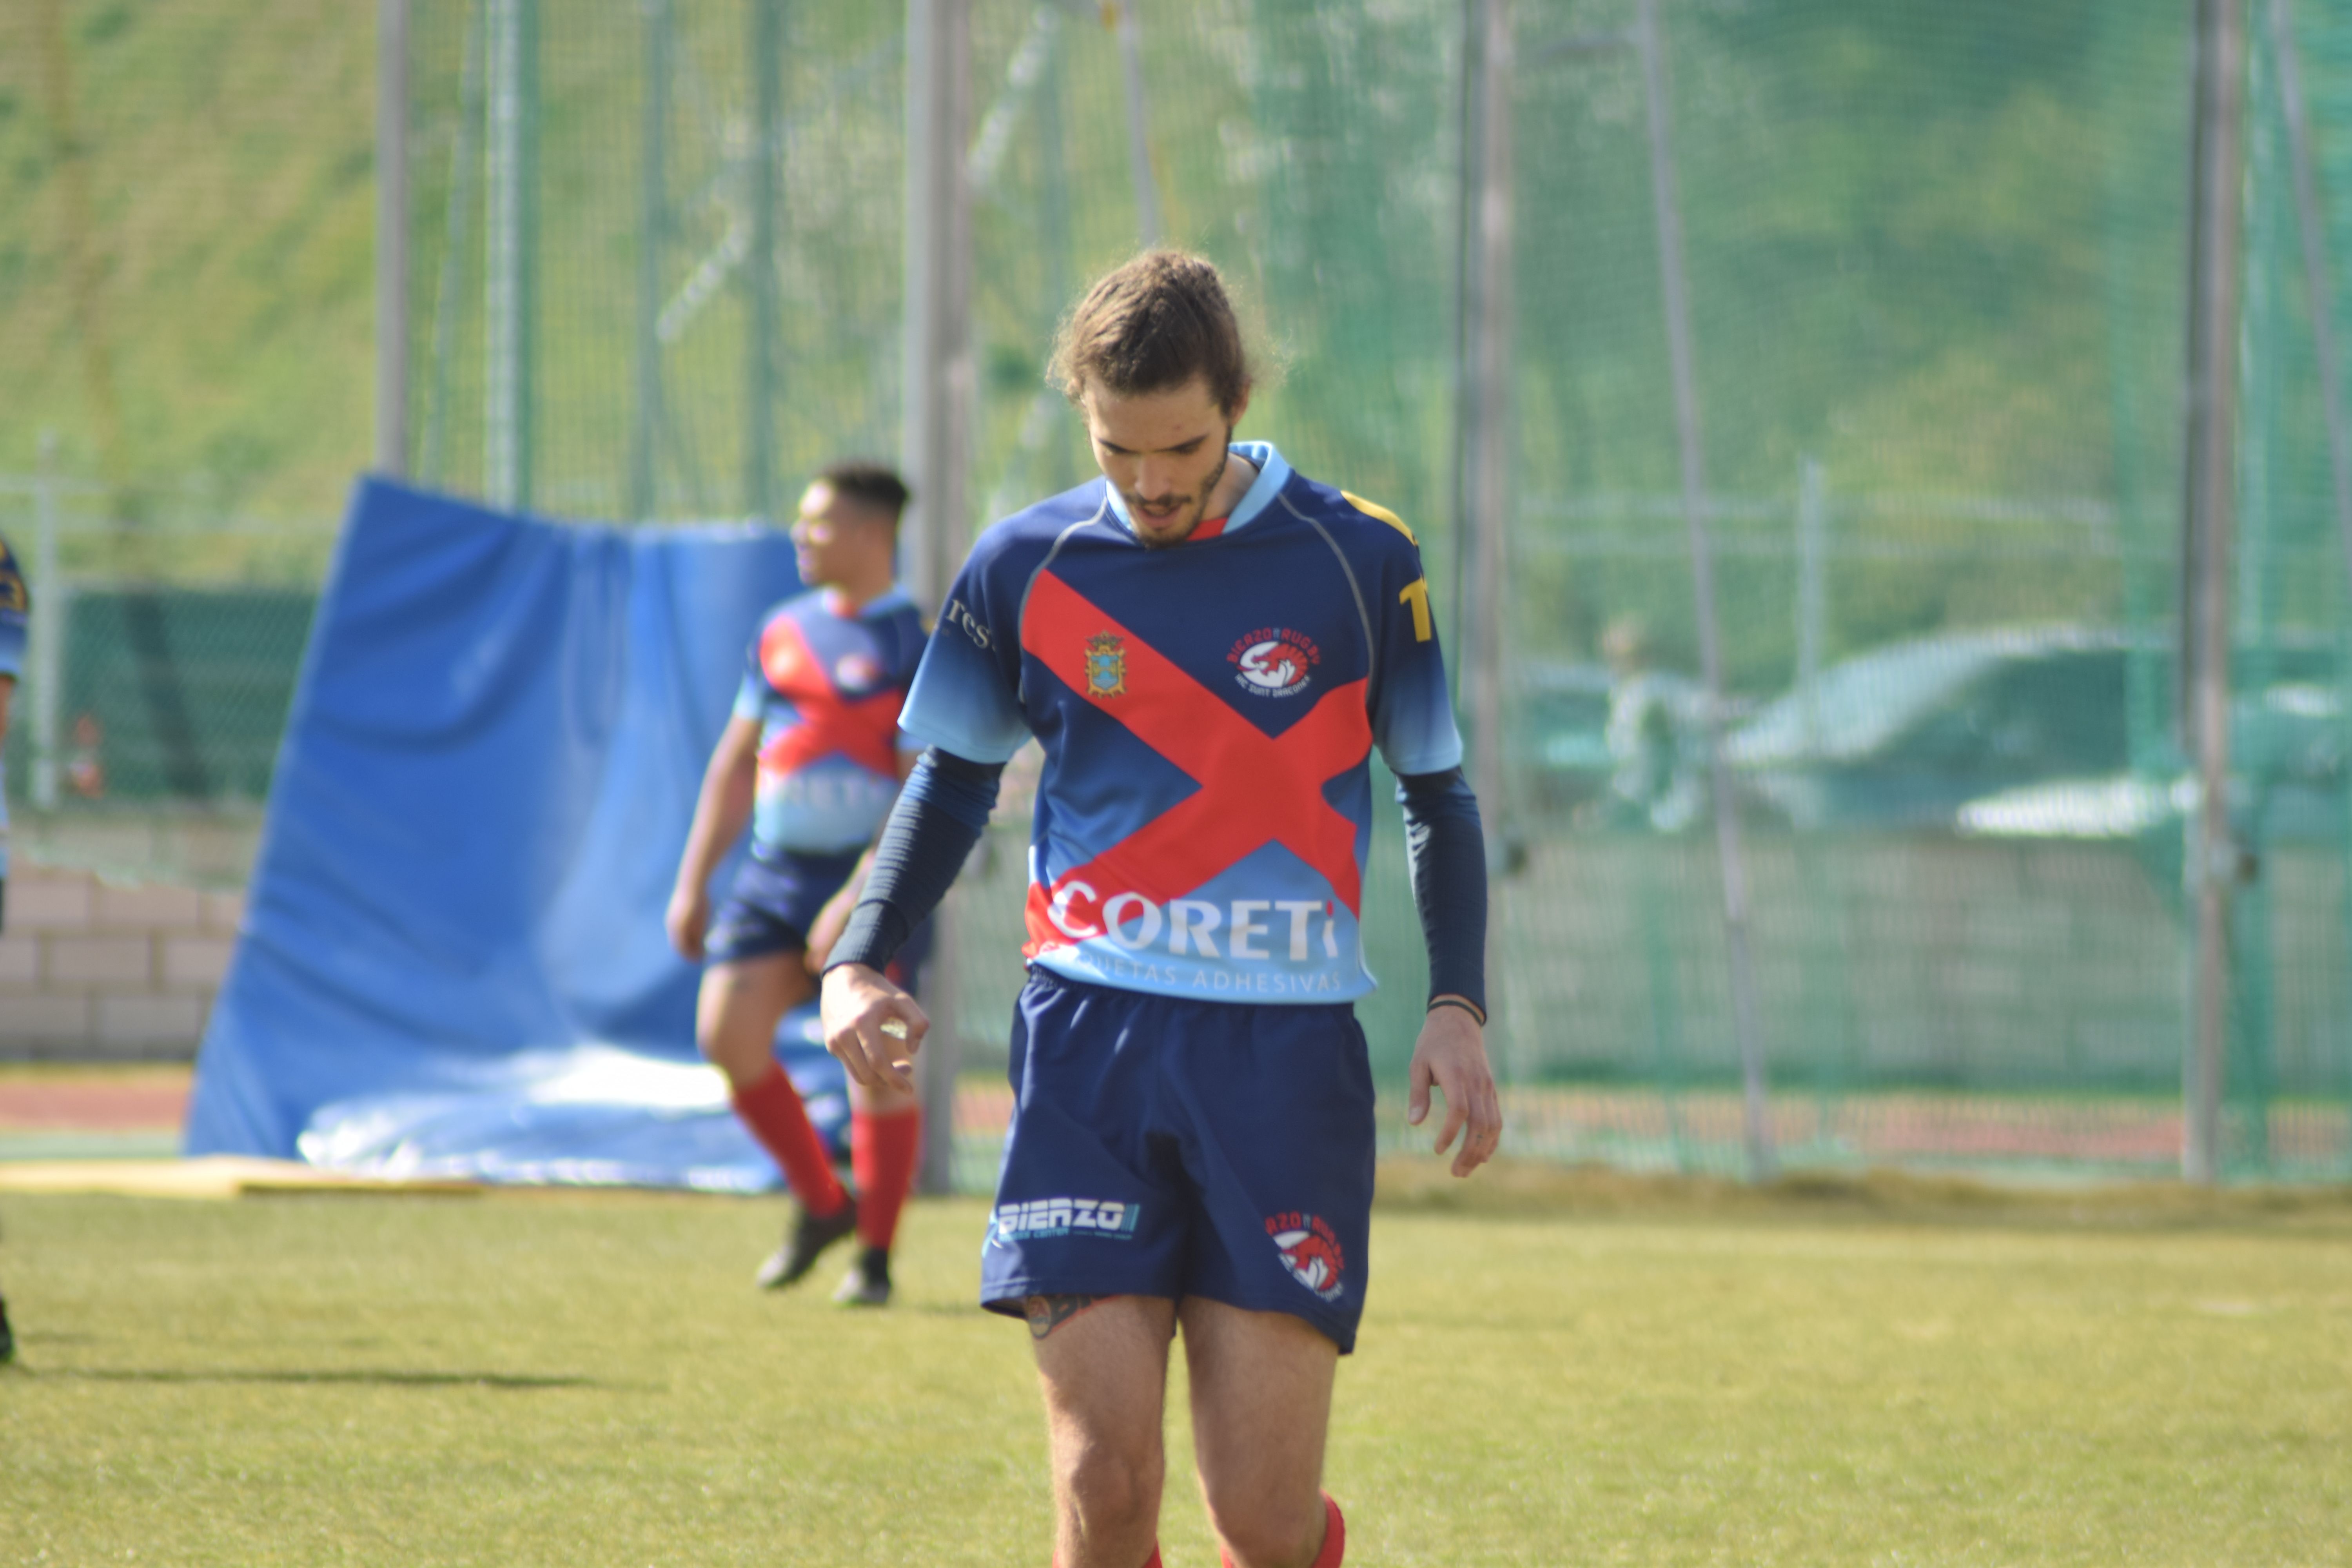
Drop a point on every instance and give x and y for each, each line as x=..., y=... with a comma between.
x=1256, y=789
x=863, y=729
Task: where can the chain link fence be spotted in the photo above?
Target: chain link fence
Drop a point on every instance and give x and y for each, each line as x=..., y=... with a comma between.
x=1936, y=262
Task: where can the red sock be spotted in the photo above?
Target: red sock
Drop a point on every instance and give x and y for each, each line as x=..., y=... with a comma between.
x=1334, y=1535
x=883, y=1151
x=1335, y=1538
x=771, y=1109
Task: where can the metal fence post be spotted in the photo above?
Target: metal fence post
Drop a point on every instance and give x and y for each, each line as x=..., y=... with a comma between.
x=759, y=265
x=1488, y=440
x=937, y=395
x=1150, y=225
x=1462, y=348
x=2312, y=221
x=391, y=238
x=653, y=228
x=465, y=168
x=1812, y=590
x=1746, y=1019
x=2214, y=864
x=510, y=265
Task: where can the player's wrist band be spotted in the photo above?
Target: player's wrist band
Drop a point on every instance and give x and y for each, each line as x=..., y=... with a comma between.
x=1466, y=1005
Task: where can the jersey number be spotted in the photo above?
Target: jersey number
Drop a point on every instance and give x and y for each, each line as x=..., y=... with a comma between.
x=1417, y=596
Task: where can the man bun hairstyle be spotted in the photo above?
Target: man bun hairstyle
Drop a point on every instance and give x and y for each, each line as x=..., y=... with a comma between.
x=869, y=483
x=1152, y=326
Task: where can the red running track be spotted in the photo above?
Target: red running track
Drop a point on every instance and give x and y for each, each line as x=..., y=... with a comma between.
x=99, y=1103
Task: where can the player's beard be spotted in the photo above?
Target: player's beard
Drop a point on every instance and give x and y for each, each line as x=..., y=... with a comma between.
x=1199, y=507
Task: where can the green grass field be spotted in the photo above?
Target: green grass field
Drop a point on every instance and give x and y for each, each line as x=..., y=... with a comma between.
x=1563, y=1370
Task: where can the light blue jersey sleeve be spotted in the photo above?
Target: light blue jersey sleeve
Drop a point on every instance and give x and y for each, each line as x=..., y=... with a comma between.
x=966, y=698
x=14, y=603
x=13, y=611
x=751, y=698
x=1412, y=718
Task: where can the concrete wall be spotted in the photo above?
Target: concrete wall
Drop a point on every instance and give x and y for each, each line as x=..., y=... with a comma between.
x=98, y=970
x=1882, y=959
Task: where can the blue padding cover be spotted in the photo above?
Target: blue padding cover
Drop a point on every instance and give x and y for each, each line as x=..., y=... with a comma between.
x=453, y=958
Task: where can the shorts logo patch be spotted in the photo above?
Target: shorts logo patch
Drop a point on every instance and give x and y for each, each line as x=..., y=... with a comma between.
x=1273, y=661
x=1041, y=1219
x=1105, y=664
x=1310, y=1250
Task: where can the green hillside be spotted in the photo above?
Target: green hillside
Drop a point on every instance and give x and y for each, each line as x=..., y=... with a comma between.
x=187, y=250
x=1935, y=250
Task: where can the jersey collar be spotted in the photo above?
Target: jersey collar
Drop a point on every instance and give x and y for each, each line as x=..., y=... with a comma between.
x=1273, y=473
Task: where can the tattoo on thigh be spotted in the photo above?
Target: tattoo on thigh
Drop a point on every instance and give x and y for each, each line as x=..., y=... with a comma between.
x=1047, y=1313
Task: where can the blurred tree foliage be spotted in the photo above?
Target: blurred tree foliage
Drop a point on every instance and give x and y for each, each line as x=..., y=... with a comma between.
x=1935, y=248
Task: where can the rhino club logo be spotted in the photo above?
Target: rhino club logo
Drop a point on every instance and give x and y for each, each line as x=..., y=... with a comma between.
x=1310, y=1249
x=1273, y=661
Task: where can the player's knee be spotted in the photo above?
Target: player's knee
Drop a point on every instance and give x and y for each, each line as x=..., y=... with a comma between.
x=744, y=1062
x=713, y=1044
x=1114, y=1488
x=1262, y=1532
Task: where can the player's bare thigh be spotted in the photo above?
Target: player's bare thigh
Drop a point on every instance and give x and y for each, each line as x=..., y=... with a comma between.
x=1260, y=1409
x=739, y=1006
x=1261, y=1386
x=1103, y=1363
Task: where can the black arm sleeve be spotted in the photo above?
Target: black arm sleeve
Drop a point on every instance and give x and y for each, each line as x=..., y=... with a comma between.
x=1446, y=853
x=941, y=815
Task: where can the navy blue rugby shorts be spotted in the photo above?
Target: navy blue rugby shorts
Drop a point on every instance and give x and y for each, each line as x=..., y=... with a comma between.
x=1162, y=1146
x=774, y=900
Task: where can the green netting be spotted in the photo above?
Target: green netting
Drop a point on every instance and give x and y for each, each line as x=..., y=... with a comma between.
x=176, y=694
x=668, y=216
x=1937, y=258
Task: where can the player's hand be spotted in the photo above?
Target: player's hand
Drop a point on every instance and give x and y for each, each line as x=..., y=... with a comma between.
x=1452, y=1055
x=872, y=1027
x=687, y=919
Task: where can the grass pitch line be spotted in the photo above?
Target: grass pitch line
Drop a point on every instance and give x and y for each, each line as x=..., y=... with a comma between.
x=213, y=1176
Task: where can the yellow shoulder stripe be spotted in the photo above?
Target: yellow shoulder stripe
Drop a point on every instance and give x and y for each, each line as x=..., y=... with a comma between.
x=1374, y=508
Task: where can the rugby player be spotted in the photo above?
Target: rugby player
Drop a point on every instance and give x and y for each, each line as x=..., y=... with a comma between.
x=811, y=758
x=15, y=603
x=1208, y=646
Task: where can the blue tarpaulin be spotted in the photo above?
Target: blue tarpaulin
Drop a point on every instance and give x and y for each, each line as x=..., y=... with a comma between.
x=453, y=959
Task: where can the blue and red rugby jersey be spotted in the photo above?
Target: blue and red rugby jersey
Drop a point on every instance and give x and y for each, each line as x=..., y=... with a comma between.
x=14, y=605
x=827, y=683
x=1208, y=713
